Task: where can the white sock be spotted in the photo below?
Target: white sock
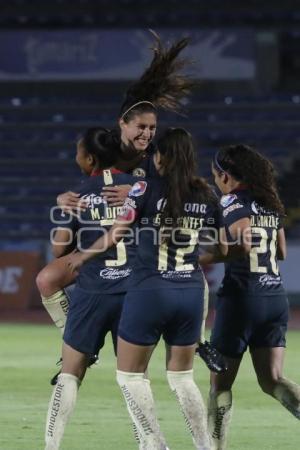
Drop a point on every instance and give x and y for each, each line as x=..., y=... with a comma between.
x=57, y=306
x=60, y=408
x=219, y=416
x=288, y=394
x=192, y=406
x=140, y=405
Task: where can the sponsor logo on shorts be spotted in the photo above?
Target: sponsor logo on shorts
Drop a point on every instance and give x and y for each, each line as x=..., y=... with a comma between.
x=270, y=280
x=114, y=274
x=226, y=200
x=175, y=274
x=138, y=189
x=232, y=208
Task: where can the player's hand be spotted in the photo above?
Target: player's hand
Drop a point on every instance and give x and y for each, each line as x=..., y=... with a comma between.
x=71, y=203
x=115, y=195
x=75, y=261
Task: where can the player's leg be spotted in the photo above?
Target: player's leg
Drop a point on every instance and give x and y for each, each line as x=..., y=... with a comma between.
x=181, y=333
x=179, y=362
x=64, y=395
x=220, y=403
x=132, y=362
x=230, y=337
x=268, y=365
x=212, y=358
x=50, y=281
x=139, y=332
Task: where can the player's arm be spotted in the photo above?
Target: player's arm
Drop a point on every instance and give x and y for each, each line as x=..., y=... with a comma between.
x=126, y=218
x=240, y=232
x=71, y=202
x=116, y=195
x=101, y=245
x=63, y=242
x=217, y=252
x=281, y=244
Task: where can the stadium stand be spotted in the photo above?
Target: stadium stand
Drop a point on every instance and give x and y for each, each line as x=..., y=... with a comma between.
x=38, y=135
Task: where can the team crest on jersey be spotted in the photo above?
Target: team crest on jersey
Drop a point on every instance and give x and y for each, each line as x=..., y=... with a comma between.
x=138, y=189
x=139, y=172
x=226, y=200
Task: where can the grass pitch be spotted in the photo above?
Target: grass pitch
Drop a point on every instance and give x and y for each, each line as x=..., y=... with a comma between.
x=100, y=421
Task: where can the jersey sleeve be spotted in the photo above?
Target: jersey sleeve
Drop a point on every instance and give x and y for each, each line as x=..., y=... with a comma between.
x=134, y=202
x=233, y=209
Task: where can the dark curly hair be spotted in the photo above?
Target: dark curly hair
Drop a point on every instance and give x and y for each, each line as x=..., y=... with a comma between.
x=180, y=168
x=248, y=166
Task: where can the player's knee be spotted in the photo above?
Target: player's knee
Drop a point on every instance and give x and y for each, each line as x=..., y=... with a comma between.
x=124, y=378
x=268, y=383
x=219, y=383
x=42, y=281
x=46, y=282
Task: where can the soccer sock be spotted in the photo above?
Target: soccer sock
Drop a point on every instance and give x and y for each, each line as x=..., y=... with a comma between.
x=205, y=311
x=288, y=394
x=140, y=405
x=60, y=408
x=219, y=415
x=192, y=406
x=57, y=306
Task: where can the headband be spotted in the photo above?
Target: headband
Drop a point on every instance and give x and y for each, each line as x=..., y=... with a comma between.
x=217, y=164
x=136, y=104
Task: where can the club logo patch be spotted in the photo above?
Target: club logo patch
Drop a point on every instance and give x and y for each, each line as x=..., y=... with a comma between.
x=138, y=189
x=139, y=172
x=226, y=200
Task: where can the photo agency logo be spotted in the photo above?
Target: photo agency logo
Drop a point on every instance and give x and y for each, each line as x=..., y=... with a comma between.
x=187, y=230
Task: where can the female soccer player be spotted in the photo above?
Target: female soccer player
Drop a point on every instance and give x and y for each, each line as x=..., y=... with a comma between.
x=159, y=87
x=166, y=288
x=252, y=308
x=97, y=298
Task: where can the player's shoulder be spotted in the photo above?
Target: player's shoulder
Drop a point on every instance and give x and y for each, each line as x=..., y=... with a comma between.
x=236, y=203
x=124, y=178
x=241, y=197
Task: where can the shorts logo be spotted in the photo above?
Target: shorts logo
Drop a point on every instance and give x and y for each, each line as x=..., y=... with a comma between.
x=138, y=189
x=270, y=280
x=231, y=208
x=226, y=200
x=139, y=172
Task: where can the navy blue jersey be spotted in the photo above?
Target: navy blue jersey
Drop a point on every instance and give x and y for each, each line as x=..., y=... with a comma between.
x=146, y=167
x=163, y=262
x=108, y=271
x=258, y=272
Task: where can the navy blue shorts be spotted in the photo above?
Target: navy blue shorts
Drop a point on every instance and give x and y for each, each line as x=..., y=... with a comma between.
x=175, y=314
x=91, y=316
x=251, y=321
